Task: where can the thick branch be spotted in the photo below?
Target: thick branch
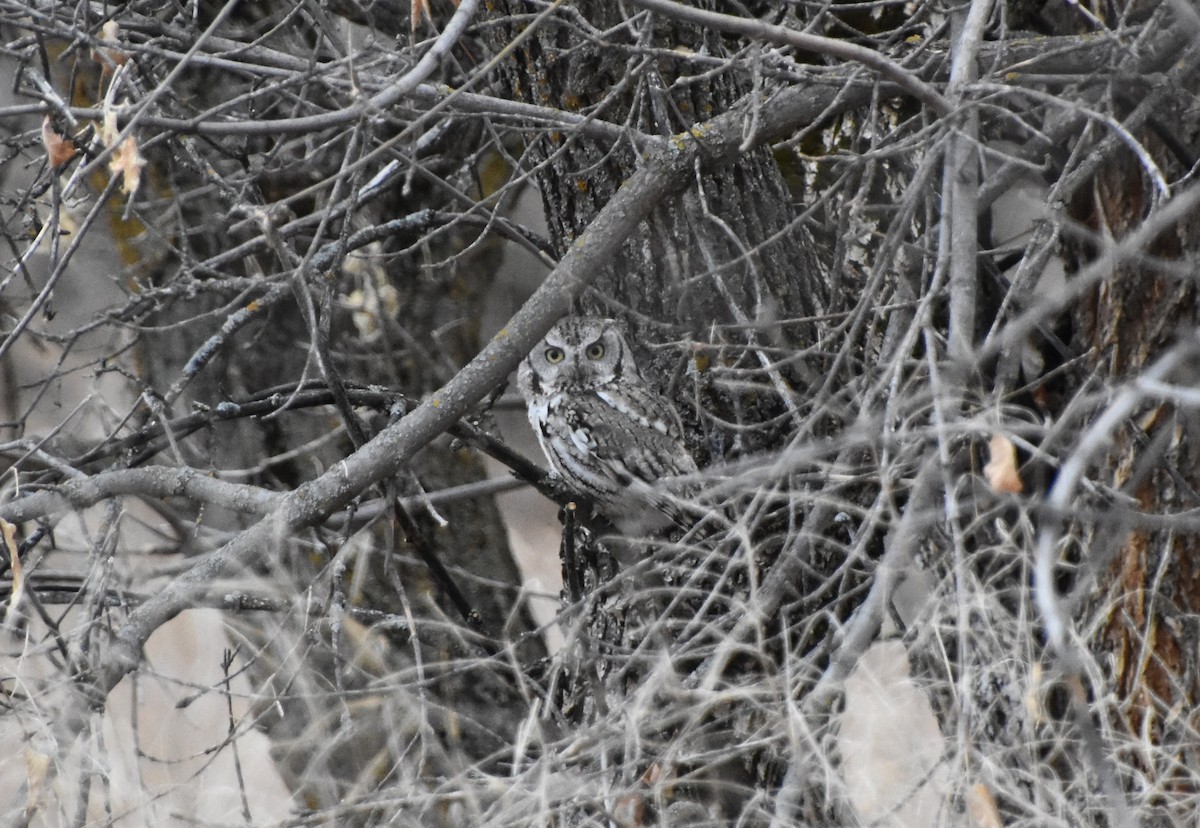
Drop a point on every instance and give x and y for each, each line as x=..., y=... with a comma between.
x=152, y=481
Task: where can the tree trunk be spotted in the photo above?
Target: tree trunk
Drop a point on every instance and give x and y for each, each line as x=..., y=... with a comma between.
x=726, y=274
x=1148, y=596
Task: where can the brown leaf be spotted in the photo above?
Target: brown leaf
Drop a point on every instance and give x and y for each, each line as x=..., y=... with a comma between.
x=128, y=162
x=420, y=7
x=629, y=811
x=9, y=534
x=110, y=56
x=37, y=766
x=981, y=806
x=59, y=150
x=1001, y=470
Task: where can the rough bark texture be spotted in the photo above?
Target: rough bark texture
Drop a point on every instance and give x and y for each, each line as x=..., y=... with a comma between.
x=1151, y=583
x=727, y=267
x=731, y=246
x=1144, y=583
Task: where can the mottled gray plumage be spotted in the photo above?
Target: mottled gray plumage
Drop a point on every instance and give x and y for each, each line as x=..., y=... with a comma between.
x=607, y=434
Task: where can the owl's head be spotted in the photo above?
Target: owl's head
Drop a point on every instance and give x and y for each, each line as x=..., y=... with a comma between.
x=578, y=354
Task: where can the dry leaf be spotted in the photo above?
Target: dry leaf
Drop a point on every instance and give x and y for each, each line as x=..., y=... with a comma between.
x=59, y=150
x=37, y=765
x=1001, y=470
x=9, y=533
x=1032, y=698
x=420, y=7
x=128, y=162
x=111, y=55
x=981, y=806
x=108, y=130
x=629, y=811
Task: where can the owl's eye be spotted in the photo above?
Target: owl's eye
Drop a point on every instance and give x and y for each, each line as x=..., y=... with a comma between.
x=554, y=355
x=595, y=350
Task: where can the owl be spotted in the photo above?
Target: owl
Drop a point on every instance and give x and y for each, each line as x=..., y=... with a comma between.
x=610, y=437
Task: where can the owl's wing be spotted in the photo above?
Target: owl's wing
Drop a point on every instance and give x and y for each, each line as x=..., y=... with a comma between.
x=616, y=450
x=636, y=434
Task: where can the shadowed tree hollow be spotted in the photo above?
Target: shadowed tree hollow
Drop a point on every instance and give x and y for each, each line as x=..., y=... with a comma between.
x=918, y=278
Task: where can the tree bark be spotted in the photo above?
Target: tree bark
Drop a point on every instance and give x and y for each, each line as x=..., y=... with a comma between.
x=729, y=265
x=1148, y=594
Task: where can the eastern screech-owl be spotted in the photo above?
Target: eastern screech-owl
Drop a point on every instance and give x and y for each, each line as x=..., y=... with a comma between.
x=607, y=434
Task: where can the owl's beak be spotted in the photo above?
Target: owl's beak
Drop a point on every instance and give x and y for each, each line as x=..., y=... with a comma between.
x=576, y=375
